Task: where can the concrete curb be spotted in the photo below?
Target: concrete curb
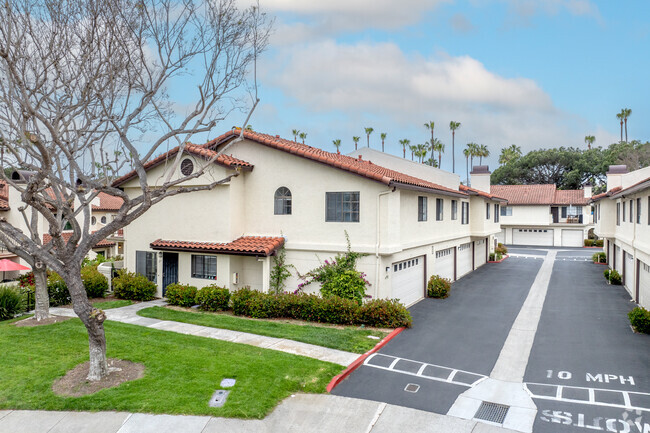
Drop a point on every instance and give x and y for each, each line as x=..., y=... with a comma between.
x=357, y=362
x=499, y=261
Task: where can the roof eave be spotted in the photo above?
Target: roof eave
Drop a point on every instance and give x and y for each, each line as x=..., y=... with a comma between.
x=407, y=186
x=212, y=251
x=631, y=190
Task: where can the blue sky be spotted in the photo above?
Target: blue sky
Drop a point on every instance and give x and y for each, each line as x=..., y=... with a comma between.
x=534, y=73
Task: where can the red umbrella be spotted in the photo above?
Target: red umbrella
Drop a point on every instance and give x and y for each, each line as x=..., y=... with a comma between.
x=8, y=265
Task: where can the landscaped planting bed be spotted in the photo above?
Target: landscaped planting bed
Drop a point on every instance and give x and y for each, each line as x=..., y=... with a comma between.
x=181, y=371
x=348, y=338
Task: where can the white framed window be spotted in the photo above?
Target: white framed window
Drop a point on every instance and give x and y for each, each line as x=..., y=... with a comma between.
x=282, y=201
x=506, y=210
x=145, y=264
x=422, y=208
x=204, y=267
x=454, y=209
x=103, y=219
x=342, y=206
x=440, y=203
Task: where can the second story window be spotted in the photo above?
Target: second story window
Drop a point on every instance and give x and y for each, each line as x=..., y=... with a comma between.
x=342, y=206
x=454, y=209
x=487, y=211
x=496, y=213
x=282, y=201
x=638, y=211
x=103, y=219
x=464, y=213
x=439, y=209
x=506, y=210
x=618, y=214
x=422, y=208
x=623, y=206
x=631, y=210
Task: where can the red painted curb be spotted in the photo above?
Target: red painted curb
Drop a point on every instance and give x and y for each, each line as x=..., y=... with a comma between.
x=499, y=261
x=594, y=247
x=357, y=362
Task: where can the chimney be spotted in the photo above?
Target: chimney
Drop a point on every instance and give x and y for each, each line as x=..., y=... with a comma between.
x=480, y=178
x=587, y=189
x=614, y=176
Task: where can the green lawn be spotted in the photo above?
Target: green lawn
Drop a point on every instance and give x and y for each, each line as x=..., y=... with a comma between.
x=107, y=305
x=181, y=372
x=350, y=339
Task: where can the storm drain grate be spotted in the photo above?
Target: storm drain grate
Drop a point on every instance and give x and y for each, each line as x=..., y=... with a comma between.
x=412, y=387
x=492, y=412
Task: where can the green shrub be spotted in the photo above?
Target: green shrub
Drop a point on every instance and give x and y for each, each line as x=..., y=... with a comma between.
x=348, y=284
x=438, y=287
x=599, y=242
x=501, y=249
x=385, y=313
x=313, y=308
x=12, y=302
x=600, y=257
x=640, y=319
x=95, y=283
x=589, y=242
x=133, y=286
x=182, y=295
x=213, y=298
x=495, y=257
x=57, y=290
x=612, y=276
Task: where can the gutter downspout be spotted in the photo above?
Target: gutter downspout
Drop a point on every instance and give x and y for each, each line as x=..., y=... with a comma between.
x=378, y=239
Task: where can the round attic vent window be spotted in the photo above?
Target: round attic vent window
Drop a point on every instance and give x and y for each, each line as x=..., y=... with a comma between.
x=187, y=167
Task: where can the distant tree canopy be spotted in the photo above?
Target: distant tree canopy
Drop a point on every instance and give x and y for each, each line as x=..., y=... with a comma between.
x=570, y=168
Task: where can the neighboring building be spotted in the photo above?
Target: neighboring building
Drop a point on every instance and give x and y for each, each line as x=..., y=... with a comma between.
x=623, y=220
x=104, y=209
x=543, y=215
x=411, y=226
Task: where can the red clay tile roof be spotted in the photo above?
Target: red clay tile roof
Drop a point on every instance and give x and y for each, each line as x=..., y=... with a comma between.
x=66, y=236
x=225, y=160
x=353, y=165
x=623, y=191
x=539, y=194
x=472, y=191
x=245, y=245
x=605, y=194
x=108, y=202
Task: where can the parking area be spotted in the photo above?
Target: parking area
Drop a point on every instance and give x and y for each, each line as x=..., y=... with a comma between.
x=586, y=370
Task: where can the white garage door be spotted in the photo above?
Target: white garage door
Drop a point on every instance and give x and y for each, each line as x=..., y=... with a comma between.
x=617, y=259
x=407, y=281
x=572, y=238
x=444, y=264
x=541, y=237
x=629, y=271
x=644, y=285
x=479, y=253
x=464, y=259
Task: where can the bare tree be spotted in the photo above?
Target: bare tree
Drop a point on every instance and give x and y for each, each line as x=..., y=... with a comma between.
x=84, y=95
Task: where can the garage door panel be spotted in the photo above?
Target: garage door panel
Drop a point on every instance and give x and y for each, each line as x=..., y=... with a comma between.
x=464, y=259
x=572, y=238
x=407, y=281
x=629, y=271
x=532, y=236
x=444, y=263
x=479, y=253
x=644, y=284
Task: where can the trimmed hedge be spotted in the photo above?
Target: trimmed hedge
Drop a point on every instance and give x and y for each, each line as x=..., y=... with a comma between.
x=612, y=276
x=640, y=319
x=600, y=257
x=599, y=242
x=12, y=302
x=438, y=287
x=589, y=242
x=95, y=283
x=182, y=295
x=213, y=298
x=133, y=286
x=313, y=308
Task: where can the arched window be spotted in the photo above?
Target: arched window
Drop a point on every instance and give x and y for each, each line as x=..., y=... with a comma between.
x=103, y=219
x=282, y=201
x=93, y=220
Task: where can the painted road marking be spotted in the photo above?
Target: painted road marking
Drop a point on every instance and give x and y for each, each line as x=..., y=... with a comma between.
x=593, y=396
x=423, y=370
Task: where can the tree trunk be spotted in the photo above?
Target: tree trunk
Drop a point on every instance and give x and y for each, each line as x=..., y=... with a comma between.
x=41, y=298
x=93, y=319
x=453, y=152
x=625, y=130
x=439, y=159
x=404, y=153
x=621, y=130
x=382, y=145
x=467, y=170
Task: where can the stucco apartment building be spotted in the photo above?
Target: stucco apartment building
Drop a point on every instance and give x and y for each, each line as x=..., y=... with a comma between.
x=543, y=215
x=104, y=209
x=411, y=221
x=622, y=217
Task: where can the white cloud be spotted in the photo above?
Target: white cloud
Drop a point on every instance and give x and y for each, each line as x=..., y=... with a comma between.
x=379, y=84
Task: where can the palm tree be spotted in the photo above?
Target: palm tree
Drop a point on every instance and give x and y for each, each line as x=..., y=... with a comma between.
x=337, y=144
x=356, y=141
x=249, y=127
x=430, y=125
x=467, y=152
x=405, y=142
x=383, y=136
x=437, y=146
x=413, y=148
x=620, y=116
x=368, y=132
x=302, y=136
x=509, y=154
x=626, y=113
x=483, y=152
x=453, y=126
x=421, y=152
x=295, y=133
x=473, y=151
x=589, y=139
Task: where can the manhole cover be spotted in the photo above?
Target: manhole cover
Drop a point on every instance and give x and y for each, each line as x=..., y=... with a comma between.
x=412, y=387
x=218, y=399
x=228, y=383
x=492, y=412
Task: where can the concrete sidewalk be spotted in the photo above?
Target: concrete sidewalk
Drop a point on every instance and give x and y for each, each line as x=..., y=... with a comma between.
x=129, y=315
x=302, y=413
